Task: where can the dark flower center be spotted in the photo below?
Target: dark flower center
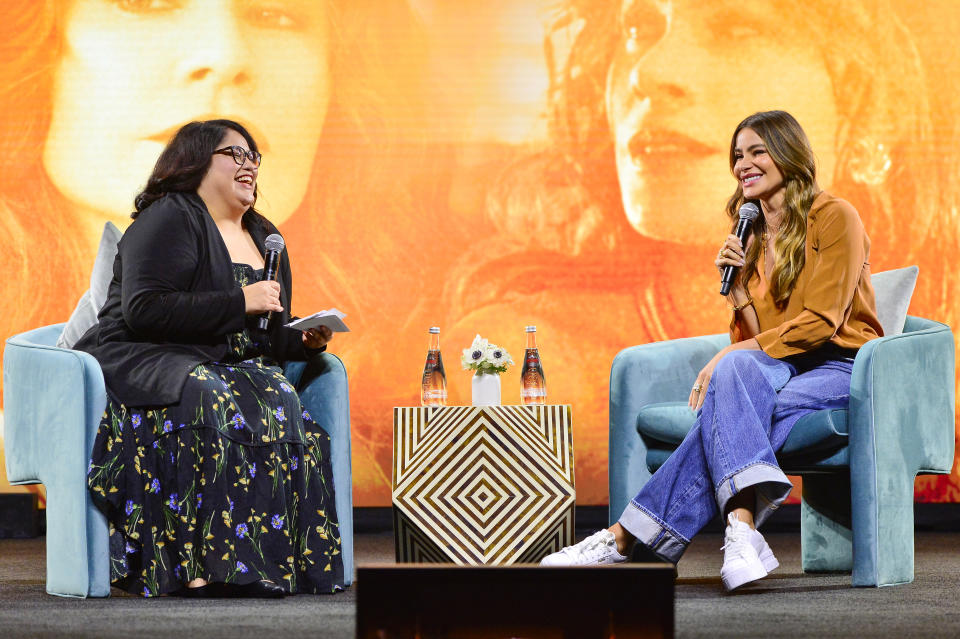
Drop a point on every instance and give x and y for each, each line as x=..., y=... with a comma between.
x=476, y=354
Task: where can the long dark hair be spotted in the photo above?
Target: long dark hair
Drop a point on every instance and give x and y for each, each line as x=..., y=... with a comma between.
x=186, y=159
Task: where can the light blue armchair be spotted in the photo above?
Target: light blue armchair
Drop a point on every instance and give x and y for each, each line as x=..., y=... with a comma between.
x=858, y=465
x=53, y=401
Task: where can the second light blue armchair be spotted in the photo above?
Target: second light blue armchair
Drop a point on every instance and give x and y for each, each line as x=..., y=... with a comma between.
x=53, y=401
x=858, y=465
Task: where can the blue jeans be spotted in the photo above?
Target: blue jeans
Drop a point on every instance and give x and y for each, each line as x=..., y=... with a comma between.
x=752, y=403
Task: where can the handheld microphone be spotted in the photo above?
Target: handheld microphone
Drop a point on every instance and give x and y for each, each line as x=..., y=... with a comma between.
x=748, y=213
x=271, y=258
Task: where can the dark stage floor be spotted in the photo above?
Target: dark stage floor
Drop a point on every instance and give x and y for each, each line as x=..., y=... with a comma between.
x=786, y=604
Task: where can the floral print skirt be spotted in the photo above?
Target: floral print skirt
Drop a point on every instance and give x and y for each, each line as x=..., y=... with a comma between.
x=232, y=485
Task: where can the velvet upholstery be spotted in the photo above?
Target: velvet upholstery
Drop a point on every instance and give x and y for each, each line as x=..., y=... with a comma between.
x=857, y=511
x=53, y=401
x=665, y=426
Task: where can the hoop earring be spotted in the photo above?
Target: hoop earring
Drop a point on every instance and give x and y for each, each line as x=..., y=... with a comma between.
x=870, y=162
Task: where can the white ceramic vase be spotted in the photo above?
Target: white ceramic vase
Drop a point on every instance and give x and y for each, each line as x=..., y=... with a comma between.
x=486, y=389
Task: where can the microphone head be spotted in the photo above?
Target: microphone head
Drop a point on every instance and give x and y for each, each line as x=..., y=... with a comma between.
x=275, y=243
x=749, y=211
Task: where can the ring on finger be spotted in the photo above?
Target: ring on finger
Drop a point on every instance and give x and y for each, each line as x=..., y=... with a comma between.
x=697, y=388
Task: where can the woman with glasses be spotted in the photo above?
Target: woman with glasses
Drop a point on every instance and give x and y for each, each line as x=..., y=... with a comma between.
x=92, y=90
x=214, y=479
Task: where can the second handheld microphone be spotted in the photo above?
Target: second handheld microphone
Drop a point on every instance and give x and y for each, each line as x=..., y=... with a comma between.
x=273, y=246
x=748, y=213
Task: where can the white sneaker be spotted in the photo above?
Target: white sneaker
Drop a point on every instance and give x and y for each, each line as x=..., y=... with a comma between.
x=598, y=549
x=760, y=544
x=741, y=559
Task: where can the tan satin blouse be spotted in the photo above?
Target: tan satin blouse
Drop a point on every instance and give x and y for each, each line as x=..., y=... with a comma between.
x=833, y=300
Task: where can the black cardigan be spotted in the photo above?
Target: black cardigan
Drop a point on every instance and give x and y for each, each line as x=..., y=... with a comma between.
x=173, y=300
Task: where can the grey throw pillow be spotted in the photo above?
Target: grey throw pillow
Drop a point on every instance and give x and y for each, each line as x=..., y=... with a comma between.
x=85, y=314
x=894, y=290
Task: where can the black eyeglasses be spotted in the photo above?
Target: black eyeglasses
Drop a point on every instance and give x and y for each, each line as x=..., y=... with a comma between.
x=240, y=154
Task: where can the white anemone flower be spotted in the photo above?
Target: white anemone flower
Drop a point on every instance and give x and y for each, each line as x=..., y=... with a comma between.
x=474, y=356
x=499, y=356
x=485, y=358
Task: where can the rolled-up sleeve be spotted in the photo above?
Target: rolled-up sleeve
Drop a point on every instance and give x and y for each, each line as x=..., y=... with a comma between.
x=840, y=249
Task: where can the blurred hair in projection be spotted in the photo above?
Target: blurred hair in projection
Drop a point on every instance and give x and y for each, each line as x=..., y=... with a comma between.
x=333, y=90
x=629, y=197
x=95, y=89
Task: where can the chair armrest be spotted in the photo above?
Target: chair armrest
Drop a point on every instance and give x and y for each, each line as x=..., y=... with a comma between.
x=642, y=375
x=901, y=421
x=902, y=398
x=45, y=418
x=53, y=401
x=324, y=393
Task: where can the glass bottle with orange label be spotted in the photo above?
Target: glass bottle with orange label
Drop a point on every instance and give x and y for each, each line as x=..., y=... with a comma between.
x=433, y=387
x=533, y=385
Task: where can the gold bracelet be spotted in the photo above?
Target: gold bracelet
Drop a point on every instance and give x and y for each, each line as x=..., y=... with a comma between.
x=744, y=305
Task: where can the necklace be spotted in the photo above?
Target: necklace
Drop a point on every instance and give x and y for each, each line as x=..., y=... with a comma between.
x=773, y=234
x=768, y=255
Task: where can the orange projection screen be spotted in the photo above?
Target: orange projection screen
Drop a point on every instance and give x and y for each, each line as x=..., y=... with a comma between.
x=481, y=166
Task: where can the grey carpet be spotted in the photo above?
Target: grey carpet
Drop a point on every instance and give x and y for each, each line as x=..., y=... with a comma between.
x=786, y=604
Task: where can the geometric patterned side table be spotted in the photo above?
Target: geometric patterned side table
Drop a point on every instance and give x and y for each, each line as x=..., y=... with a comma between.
x=482, y=484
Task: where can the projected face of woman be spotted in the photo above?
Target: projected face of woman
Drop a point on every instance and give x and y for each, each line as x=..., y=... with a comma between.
x=684, y=74
x=134, y=71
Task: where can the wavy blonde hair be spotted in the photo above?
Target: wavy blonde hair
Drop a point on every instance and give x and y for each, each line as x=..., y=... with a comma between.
x=790, y=151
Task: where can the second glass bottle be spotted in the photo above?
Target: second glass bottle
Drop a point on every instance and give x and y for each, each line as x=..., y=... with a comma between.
x=533, y=385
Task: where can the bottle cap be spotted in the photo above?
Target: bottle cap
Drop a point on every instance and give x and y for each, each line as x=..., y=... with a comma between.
x=531, y=329
x=434, y=329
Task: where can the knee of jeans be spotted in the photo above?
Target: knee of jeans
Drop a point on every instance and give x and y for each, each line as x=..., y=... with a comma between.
x=735, y=363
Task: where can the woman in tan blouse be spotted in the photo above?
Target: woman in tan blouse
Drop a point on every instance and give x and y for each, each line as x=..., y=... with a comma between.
x=802, y=305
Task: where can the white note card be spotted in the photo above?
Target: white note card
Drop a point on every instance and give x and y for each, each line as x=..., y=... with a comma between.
x=332, y=319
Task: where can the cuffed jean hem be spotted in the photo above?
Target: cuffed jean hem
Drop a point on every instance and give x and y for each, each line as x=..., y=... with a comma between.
x=652, y=533
x=769, y=482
